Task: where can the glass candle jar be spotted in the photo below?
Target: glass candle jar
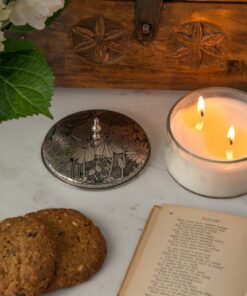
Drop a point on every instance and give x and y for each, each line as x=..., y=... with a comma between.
x=206, y=142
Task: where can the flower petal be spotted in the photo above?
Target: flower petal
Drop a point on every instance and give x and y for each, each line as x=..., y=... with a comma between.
x=121, y=163
x=183, y=51
x=100, y=53
x=85, y=33
x=197, y=57
x=183, y=38
x=213, y=51
x=34, y=13
x=2, y=38
x=100, y=27
x=108, y=151
x=83, y=46
x=113, y=46
x=213, y=39
x=114, y=34
x=116, y=148
x=197, y=31
x=91, y=172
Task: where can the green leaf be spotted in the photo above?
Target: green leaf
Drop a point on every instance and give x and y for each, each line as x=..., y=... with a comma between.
x=24, y=28
x=26, y=82
x=14, y=45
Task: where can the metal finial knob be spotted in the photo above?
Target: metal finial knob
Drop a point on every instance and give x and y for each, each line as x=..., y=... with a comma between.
x=96, y=129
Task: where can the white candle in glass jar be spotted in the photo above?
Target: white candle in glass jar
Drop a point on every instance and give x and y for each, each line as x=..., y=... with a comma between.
x=206, y=149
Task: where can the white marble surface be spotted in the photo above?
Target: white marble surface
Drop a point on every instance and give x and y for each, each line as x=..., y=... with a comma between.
x=26, y=185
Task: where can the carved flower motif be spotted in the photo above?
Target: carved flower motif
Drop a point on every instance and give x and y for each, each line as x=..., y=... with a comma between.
x=197, y=39
x=102, y=37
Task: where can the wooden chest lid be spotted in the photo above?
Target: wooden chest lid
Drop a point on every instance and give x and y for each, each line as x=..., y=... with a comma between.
x=198, y=44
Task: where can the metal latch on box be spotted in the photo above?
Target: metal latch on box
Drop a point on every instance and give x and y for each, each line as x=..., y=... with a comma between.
x=147, y=19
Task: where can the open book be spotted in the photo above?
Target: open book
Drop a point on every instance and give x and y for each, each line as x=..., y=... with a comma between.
x=189, y=252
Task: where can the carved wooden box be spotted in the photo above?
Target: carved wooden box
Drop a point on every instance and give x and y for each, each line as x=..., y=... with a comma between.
x=192, y=44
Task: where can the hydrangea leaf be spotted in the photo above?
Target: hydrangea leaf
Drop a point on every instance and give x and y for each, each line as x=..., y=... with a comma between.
x=26, y=82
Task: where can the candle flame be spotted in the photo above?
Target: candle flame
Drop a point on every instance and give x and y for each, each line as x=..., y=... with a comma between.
x=231, y=135
x=201, y=106
x=201, y=110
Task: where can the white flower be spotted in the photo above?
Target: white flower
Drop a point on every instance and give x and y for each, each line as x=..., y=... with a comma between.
x=33, y=12
x=4, y=15
x=1, y=41
x=4, y=12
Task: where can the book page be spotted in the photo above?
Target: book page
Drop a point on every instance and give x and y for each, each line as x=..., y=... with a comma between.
x=142, y=242
x=191, y=252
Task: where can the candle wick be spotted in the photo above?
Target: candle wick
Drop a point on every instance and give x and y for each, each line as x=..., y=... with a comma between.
x=202, y=113
x=231, y=142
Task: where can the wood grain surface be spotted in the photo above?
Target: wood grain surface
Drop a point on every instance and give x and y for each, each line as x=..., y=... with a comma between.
x=198, y=45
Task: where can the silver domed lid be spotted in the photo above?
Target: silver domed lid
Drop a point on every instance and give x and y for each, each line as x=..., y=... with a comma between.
x=96, y=149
